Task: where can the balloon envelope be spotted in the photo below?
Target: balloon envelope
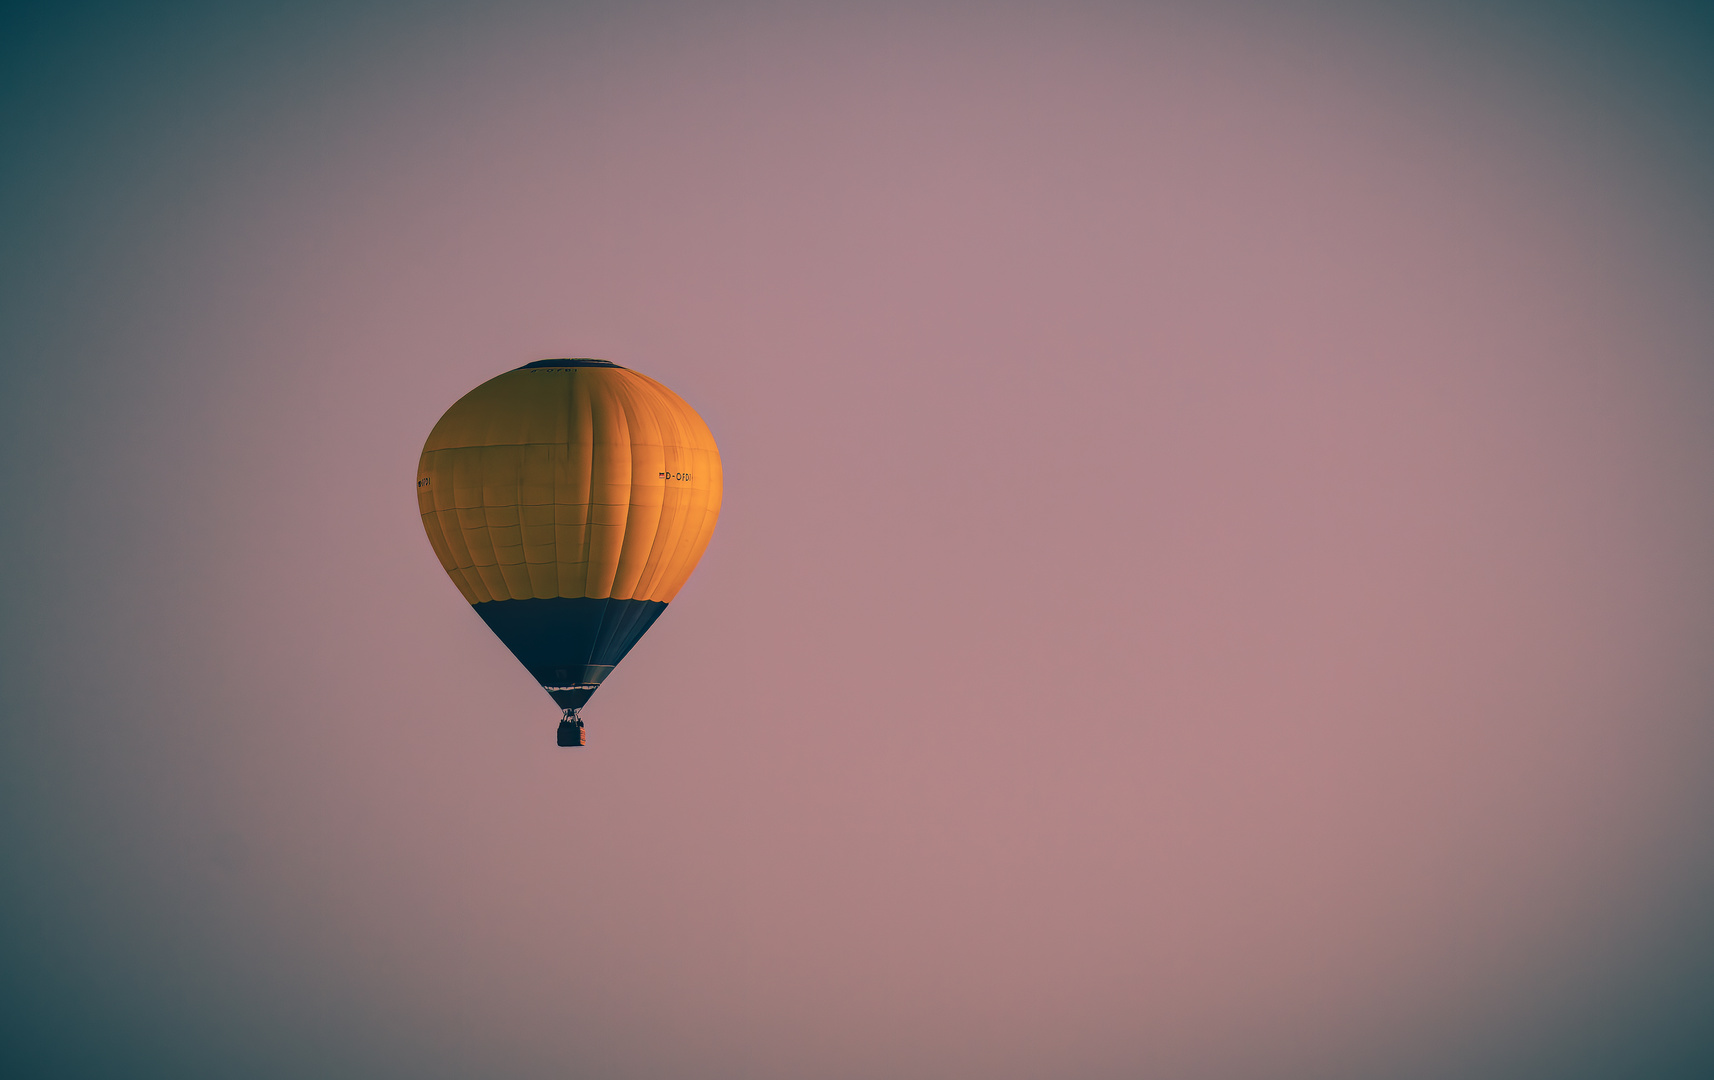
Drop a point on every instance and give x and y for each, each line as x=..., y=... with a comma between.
x=569, y=500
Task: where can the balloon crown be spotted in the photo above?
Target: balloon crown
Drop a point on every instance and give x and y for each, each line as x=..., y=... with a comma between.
x=582, y=361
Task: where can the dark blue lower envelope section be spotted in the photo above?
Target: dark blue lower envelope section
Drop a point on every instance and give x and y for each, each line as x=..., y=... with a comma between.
x=569, y=644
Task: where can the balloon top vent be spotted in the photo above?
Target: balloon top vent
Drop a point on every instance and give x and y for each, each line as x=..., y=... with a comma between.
x=581, y=361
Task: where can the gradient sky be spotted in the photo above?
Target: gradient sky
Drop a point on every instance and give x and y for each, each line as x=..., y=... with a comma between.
x=1215, y=579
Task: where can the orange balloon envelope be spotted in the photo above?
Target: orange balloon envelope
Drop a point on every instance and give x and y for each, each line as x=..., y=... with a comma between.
x=569, y=500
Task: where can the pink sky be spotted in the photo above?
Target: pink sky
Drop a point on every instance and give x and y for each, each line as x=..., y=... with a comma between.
x=1213, y=580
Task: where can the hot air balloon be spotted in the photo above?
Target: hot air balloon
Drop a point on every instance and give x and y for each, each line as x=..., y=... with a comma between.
x=569, y=500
